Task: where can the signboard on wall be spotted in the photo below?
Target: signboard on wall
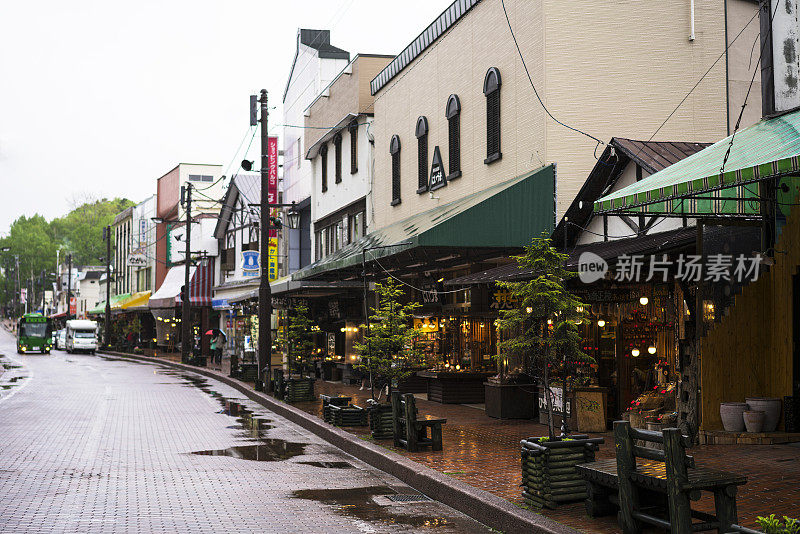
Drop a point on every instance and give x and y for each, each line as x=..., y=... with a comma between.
x=438, y=178
x=250, y=263
x=137, y=260
x=272, y=158
x=331, y=344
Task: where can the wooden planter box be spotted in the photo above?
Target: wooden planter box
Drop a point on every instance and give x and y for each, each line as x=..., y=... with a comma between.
x=380, y=421
x=510, y=401
x=549, y=477
x=350, y=415
x=455, y=387
x=299, y=390
x=328, y=401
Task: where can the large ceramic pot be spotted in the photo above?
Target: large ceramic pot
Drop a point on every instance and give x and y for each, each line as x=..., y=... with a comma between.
x=731, y=414
x=754, y=421
x=772, y=410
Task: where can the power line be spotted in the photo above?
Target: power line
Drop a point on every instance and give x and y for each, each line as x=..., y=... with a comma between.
x=514, y=37
x=749, y=88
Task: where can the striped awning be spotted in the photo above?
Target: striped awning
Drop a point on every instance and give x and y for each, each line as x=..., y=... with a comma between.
x=699, y=185
x=200, y=285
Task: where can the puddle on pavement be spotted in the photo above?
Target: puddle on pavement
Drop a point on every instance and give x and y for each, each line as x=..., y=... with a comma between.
x=7, y=386
x=11, y=366
x=15, y=378
x=269, y=450
x=329, y=465
x=358, y=503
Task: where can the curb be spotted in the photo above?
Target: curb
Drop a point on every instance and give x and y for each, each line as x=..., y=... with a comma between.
x=478, y=504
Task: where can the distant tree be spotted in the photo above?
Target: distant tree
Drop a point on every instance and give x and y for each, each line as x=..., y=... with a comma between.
x=81, y=230
x=391, y=349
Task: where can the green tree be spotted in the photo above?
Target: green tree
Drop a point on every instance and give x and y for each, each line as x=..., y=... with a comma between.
x=299, y=339
x=542, y=327
x=391, y=349
x=81, y=230
x=31, y=240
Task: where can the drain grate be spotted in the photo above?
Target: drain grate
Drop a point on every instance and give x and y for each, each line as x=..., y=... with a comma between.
x=399, y=497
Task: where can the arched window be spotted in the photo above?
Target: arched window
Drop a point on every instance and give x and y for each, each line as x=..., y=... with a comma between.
x=453, y=114
x=337, y=150
x=491, y=88
x=323, y=156
x=422, y=154
x=394, y=150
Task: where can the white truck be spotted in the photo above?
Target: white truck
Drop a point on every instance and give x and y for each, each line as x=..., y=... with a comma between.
x=81, y=336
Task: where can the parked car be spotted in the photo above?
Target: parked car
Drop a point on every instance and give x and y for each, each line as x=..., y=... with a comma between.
x=61, y=339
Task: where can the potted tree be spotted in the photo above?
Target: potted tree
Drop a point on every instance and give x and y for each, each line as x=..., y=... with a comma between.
x=389, y=350
x=299, y=341
x=544, y=322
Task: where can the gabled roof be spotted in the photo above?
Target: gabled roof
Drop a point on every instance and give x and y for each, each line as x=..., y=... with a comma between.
x=246, y=185
x=652, y=156
x=435, y=29
x=319, y=40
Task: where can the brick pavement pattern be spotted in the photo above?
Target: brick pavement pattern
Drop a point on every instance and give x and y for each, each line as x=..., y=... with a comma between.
x=91, y=444
x=484, y=452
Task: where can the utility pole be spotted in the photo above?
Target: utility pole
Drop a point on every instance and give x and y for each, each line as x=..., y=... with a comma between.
x=69, y=286
x=43, y=299
x=186, y=323
x=264, y=289
x=16, y=294
x=107, y=319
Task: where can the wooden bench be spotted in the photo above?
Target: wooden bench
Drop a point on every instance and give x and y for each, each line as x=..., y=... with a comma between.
x=411, y=431
x=661, y=481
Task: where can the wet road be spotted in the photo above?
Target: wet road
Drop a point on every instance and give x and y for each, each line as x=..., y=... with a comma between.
x=92, y=444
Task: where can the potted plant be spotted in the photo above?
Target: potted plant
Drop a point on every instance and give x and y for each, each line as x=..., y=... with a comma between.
x=299, y=339
x=544, y=322
x=389, y=351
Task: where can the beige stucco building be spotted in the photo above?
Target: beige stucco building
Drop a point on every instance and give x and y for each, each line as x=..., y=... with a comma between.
x=606, y=68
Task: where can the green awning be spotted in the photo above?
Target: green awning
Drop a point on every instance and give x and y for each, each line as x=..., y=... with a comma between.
x=508, y=214
x=694, y=185
x=116, y=301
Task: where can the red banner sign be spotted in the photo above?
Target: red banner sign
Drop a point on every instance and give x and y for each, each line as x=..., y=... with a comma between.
x=272, y=192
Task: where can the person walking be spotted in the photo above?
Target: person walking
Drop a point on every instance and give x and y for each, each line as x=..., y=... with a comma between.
x=217, y=341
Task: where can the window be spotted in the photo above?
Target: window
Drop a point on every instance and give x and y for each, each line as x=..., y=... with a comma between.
x=201, y=178
x=394, y=150
x=453, y=115
x=337, y=150
x=355, y=227
x=353, y=129
x=323, y=156
x=422, y=154
x=491, y=88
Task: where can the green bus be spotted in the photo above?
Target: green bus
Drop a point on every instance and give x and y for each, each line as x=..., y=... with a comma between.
x=34, y=332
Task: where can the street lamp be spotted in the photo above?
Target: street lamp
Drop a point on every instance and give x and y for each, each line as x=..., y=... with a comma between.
x=294, y=217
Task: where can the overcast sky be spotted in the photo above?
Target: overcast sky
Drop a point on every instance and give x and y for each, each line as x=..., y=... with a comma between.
x=101, y=98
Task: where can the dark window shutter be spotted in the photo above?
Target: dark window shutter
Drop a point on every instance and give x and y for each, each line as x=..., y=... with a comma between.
x=396, y=178
x=422, y=164
x=454, y=143
x=493, y=124
x=337, y=146
x=353, y=147
x=323, y=154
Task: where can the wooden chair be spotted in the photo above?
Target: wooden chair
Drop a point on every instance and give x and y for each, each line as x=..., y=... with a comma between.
x=411, y=431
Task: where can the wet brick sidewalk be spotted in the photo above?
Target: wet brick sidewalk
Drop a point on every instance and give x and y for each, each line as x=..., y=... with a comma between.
x=484, y=453
x=91, y=444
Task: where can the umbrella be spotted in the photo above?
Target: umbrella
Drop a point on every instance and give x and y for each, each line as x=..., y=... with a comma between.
x=215, y=331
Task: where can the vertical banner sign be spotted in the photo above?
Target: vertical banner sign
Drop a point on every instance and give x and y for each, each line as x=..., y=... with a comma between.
x=272, y=153
x=73, y=305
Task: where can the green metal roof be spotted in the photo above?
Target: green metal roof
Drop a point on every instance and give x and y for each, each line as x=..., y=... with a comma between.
x=770, y=148
x=115, y=301
x=508, y=214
